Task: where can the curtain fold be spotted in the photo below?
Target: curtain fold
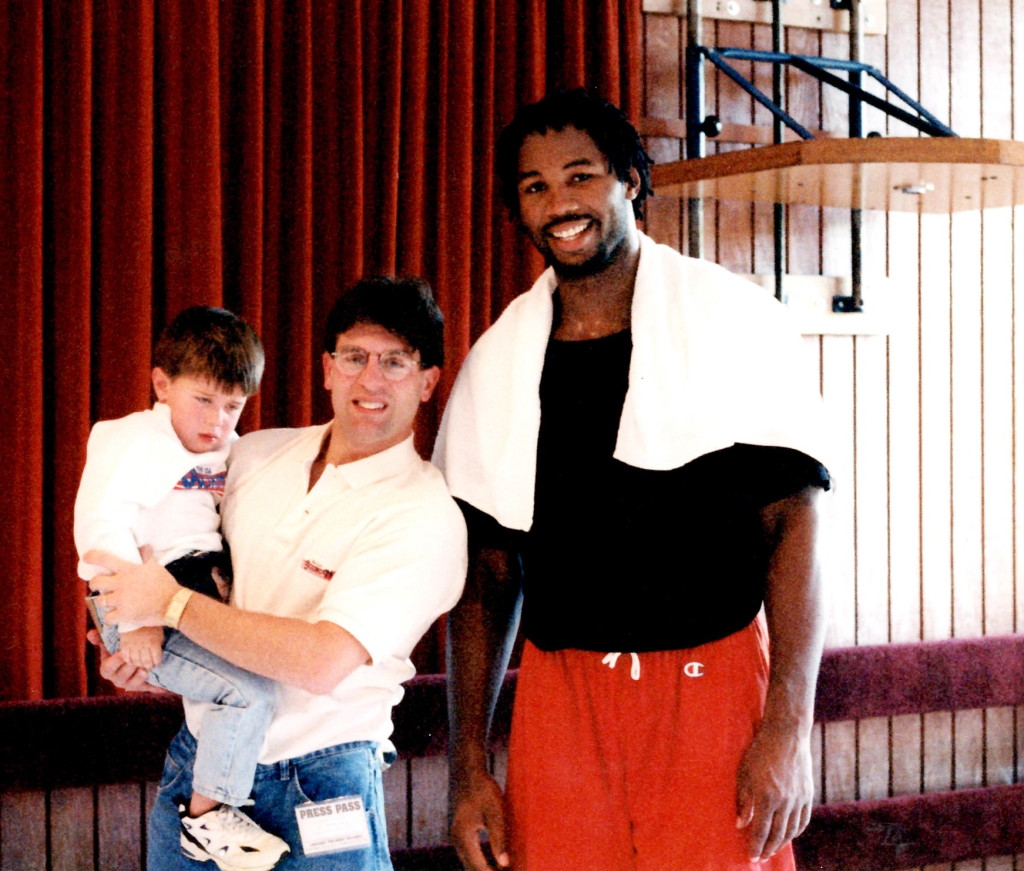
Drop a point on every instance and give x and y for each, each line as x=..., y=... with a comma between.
x=156, y=154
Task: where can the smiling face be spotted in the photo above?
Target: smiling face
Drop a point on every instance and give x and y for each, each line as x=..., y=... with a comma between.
x=372, y=413
x=574, y=208
x=203, y=412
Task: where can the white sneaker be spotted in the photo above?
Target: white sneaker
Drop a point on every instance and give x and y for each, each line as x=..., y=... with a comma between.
x=229, y=838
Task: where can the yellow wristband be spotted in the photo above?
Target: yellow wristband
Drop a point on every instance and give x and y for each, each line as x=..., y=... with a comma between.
x=179, y=600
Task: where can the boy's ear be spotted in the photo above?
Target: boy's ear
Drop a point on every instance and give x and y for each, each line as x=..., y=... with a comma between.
x=161, y=383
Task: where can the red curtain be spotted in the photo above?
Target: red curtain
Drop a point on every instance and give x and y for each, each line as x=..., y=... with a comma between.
x=257, y=155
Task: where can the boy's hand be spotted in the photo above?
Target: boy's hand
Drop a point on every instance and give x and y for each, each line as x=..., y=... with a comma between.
x=143, y=647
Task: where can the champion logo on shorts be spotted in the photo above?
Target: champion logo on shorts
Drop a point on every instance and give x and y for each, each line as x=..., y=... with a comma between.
x=318, y=570
x=201, y=478
x=694, y=669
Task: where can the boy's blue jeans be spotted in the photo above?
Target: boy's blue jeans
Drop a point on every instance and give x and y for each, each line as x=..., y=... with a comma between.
x=334, y=772
x=242, y=702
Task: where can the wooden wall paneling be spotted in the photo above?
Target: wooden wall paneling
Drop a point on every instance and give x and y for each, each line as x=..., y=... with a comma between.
x=997, y=301
x=937, y=766
x=429, y=785
x=967, y=401
x=904, y=431
x=936, y=447
x=1016, y=85
x=835, y=116
x=936, y=495
x=734, y=226
x=902, y=44
x=803, y=102
x=22, y=829
x=996, y=39
x=905, y=741
x=872, y=498
x=967, y=472
x=902, y=268
x=999, y=444
x=396, y=804
x=119, y=807
x=966, y=304
x=969, y=755
x=71, y=830
x=837, y=392
x=1017, y=404
x=873, y=52
x=871, y=454
x=871, y=418
x=1001, y=752
x=664, y=45
x=873, y=758
x=149, y=792
x=997, y=306
x=763, y=214
x=840, y=744
x=817, y=764
x=842, y=740
x=871, y=501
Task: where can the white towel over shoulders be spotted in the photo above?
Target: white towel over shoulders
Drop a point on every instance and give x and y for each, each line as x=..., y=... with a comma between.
x=715, y=361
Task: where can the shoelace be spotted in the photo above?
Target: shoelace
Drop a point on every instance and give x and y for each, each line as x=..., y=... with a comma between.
x=634, y=670
x=235, y=819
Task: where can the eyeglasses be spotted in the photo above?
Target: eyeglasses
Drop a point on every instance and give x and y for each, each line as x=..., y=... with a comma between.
x=394, y=365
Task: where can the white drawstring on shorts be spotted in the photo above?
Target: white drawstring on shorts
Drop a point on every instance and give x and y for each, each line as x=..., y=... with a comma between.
x=634, y=670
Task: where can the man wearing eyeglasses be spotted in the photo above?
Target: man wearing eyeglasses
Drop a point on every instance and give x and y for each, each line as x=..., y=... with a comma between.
x=346, y=547
x=636, y=441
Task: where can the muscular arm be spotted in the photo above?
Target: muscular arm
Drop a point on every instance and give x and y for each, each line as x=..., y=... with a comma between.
x=775, y=788
x=481, y=631
x=312, y=656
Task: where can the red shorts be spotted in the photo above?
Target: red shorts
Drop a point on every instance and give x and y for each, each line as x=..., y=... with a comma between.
x=630, y=764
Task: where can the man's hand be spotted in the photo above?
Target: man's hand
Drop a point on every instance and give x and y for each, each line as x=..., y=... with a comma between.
x=139, y=593
x=478, y=808
x=143, y=647
x=121, y=673
x=775, y=790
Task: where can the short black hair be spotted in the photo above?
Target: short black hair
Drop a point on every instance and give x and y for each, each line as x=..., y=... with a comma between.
x=602, y=121
x=209, y=342
x=403, y=306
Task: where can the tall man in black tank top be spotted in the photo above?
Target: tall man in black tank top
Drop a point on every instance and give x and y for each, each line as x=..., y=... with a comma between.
x=652, y=501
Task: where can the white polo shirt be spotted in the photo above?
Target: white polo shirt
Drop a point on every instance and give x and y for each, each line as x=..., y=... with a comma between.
x=378, y=546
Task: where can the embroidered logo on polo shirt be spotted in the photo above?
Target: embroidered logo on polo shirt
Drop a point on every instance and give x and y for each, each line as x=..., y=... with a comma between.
x=317, y=570
x=201, y=478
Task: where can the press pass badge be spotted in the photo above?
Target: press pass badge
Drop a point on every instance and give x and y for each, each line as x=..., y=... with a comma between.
x=333, y=826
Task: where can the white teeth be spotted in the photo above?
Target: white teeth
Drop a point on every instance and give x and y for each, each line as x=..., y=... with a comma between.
x=570, y=230
x=372, y=405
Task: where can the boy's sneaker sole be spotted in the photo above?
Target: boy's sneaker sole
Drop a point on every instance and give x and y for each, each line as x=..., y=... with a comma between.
x=191, y=852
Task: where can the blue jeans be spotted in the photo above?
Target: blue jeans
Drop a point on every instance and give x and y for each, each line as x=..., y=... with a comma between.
x=344, y=770
x=242, y=704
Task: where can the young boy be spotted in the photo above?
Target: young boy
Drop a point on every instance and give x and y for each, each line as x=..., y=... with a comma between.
x=155, y=479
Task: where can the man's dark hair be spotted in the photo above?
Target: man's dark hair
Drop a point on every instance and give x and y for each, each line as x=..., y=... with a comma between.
x=602, y=121
x=403, y=306
x=208, y=342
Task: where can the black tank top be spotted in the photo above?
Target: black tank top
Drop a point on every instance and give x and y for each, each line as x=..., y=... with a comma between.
x=627, y=559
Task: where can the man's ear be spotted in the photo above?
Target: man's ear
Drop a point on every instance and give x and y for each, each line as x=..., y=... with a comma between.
x=633, y=185
x=161, y=383
x=430, y=379
x=328, y=364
